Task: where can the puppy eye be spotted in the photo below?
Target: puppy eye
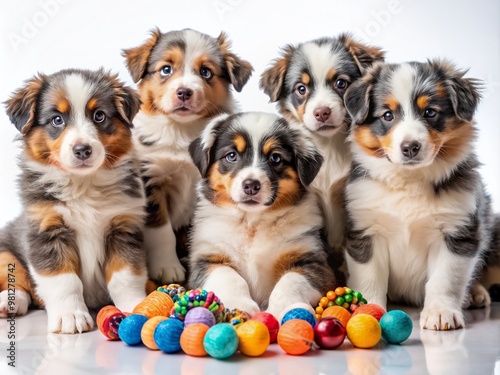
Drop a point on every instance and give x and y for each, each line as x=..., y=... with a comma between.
x=232, y=157
x=206, y=73
x=301, y=90
x=388, y=116
x=57, y=121
x=275, y=158
x=430, y=113
x=166, y=71
x=99, y=116
x=341, y=84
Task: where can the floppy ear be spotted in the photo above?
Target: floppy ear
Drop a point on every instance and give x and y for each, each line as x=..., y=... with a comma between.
x=357, y=100
x=238, y=70
x=201, y=148
x=272, y=81
x=137, y=58
x=21, y=106
x=309, y=161
x=127, y=100
x=364, y=56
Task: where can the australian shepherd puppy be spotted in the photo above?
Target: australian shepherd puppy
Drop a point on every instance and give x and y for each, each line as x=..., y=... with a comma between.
x=256, y=240
x=419, y=220
x=309, y=82
x=185, y=79
x=79, y=235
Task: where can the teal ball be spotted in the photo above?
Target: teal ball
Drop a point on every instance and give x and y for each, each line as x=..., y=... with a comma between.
x=221, y=341
x=299, y=313
x=167, y=335
x=396, y=326
x=130, y=328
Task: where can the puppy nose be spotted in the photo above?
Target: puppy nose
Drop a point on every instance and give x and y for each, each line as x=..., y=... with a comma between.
x=410, y=149
x=251, y=187
x=322, y=114
x=82, y=151
x=184, y=94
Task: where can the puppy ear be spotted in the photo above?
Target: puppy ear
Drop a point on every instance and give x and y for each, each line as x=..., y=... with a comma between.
x=364, y=56
x=137, y=58
x=309, y=161
x=127, y=100
x=272, y=81
x=238, y=70
x=357, y=98
x=21, y=106
x=201, y=148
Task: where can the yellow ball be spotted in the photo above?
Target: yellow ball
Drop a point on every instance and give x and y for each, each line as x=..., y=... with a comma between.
x=363, y=331
x=253, y=337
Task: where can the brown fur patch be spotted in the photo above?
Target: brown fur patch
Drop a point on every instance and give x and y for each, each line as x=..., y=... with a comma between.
x=92, y=103
x=305, y=79
x=272, y=80
x=157, y=199
x=206, y=61
x=217, y=260
x=269, y=145
x=301, y=110
x=46, y=216
x=441, y=90
x=287, y=262
x=137, y=57
x=173, y=56
x=423, y=101
x=337, y=191
x=289, y=190
x=239, y=70
x=363, y=55
x=240, y=143
x=63, y=106
x=216, y=97
x=456, y=137
x=368, y=142
x=331, y=74
x=392, y=103
x=221, y=183
x=117, y=144
x=40, y=147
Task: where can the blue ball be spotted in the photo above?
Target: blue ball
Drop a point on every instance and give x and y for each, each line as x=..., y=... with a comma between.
x=130, y=328
x=167, y=335
x=396, y=326
x=221, y=341
x=299, y=313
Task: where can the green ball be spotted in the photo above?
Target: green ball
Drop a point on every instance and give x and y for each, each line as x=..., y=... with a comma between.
x=221, y=341
x=339, y=301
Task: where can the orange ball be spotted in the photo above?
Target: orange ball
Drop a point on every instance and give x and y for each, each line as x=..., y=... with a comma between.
x=340, y=291
x=371, y=309
x=337, y=312
x=331, y=295
x=296, y=336
x=155, y=304
x=254, y=338
x=192, y=339
x=148, y=329
x=363, y=331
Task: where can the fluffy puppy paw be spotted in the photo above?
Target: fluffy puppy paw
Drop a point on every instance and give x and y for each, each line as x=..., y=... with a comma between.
x=246, y=304
x=167, y=270
x=20, y=303
x=441, y=318
x=478, y=297
x=65, y=320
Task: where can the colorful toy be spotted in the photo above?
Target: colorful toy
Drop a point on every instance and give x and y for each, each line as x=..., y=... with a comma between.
x=148, y=330
x=167, y=335
x=253, y=338
x=338, y=312
x=396, y=326
x=299, y=313
x=363, y=331
x=199, y=315
x=192, y=339
x=130, y=328
x=221, y=341
x=236, y=316
x=329, y=333
x=183, y=302
x=342, y=296
x=296, y=336
x=271, y=323
x=108, y=320
x=155, y=304
x=172, y=289
x=371, y=309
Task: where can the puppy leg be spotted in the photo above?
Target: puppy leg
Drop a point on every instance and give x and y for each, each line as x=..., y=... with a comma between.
x=125, y=266
x=478, y=296
x=231, y=288
x=15, y=285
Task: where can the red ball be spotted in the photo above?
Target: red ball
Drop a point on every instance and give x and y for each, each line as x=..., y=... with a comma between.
x=329, y=333
x=270, y=322
x=371, y=309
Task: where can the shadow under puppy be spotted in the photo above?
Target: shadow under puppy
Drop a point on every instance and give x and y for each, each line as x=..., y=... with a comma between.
x=80, y=232
x=255, y=240
x=185, y=79
x=419, y=219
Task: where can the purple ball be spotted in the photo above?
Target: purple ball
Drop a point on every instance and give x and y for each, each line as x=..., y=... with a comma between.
x=199, y=315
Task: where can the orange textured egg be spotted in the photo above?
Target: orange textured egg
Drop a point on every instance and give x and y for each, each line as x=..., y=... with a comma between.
x=192, y=339
x=148, y=329
x=296, y=336
x=337, y=312
x=155, y=304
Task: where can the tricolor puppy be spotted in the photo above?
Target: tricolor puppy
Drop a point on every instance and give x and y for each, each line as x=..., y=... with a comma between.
x=80, y=231
x=256, y=240
x=309, y=82
x=185, y=79
x=419, y=220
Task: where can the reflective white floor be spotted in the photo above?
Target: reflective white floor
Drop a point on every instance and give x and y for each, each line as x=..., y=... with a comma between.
x=474, y=350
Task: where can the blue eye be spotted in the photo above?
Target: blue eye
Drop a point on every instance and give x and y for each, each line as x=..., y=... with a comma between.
x=206, y=73
x=341, y=84
x=275, y=158
x=99, y=116
x=430, y=113
x=57, y=121
x=232, y=157
x=166, y=71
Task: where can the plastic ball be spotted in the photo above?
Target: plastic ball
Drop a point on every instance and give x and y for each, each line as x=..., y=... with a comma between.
x=253, y=338
x=167, y=335
x=329, y=333
x=221, y=341
x=130, y=328
x=363, y=331
x=299, y=313
x=396, y=326
x=108, y=319
x=371, y=309
x=192, y=339
x=199, y=315
x=271, y=323
x=296, y=336
x=148, y=330
x=337, y=312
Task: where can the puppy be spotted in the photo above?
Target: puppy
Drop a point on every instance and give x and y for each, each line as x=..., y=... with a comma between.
x=309, y=82
x=185, y=79
x=255, y=239
x=419, y=220
x=80, y=231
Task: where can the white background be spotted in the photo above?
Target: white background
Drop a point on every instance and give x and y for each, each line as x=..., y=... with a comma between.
x=48, y=35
